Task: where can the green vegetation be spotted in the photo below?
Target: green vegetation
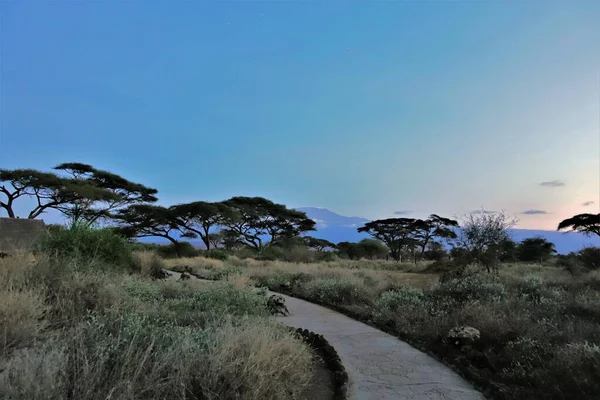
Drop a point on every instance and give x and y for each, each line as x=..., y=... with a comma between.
x=539, y=325
x=87, y=307
x=83, y=319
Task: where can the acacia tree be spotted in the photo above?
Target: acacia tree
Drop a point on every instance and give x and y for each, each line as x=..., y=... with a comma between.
x=535, y=249
x=372, y=248
x=434, y=227
x=124, y=192
x=319, y=244
x=396, y=233
x=215, y=239
x=257, y=218
x=50, y=192
x=146, y=220
x=200, y=217
x=584, y=223
x=483, y=234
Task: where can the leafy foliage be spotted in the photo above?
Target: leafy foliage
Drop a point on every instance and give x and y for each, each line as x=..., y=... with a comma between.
x=257, y=217
x=483, y=234
x=143, y=220
x=535, y=249
x=102, y=247
x=50, y=191
x=199, y=217
x=124, y=192
x=319, y=244
x=585, y=223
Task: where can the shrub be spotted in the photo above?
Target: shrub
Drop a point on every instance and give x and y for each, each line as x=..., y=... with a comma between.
x=399, y=302
x=590, y=257
x=149, y=264
x=337, y=291
x=217, y=254
x=472, y=288
x=84, y=245
x=181, y=249
x=21, y=313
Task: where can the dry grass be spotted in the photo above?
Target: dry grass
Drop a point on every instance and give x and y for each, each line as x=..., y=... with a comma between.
x=539, y=325
x=149, y=263
x=72, y=331
x=22, y=306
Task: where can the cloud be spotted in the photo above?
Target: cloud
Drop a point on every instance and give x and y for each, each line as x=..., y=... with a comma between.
x=401, y=212
x=483, y=212
x=534, y=212
x=320, y=223
x=554, y=183
x=588, y=203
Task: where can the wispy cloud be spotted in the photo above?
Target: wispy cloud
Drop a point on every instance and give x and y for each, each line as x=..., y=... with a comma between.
x=483, y=212
x=554, y=183
x=588, y=203
x=401, y=212
x=534, y=212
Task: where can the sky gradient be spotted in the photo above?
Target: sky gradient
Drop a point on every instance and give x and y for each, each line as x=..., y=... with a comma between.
x=364, y=108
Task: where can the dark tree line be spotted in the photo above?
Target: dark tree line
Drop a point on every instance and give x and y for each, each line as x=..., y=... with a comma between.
x=87, y=195
x=411, y=235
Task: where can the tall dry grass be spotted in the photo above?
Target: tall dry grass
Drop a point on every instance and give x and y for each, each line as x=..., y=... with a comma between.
x=540, y=325
x=71, y=330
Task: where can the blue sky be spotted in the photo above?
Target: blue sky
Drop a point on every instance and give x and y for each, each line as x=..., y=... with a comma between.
x=365, y=108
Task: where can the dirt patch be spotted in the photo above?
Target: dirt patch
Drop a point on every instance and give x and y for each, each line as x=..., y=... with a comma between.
x=321, y=384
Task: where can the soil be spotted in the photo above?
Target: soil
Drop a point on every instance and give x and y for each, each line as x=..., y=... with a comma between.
x=321, y=384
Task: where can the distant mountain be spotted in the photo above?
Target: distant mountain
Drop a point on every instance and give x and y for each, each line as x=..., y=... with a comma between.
x=337, y=228
x=334, y=227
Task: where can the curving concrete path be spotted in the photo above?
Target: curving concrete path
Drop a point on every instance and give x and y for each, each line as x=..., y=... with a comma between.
x=379, y=366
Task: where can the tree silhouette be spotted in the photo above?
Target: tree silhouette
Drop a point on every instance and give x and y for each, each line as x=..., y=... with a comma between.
x=584, y=223
x=70, y=196
x=146, y=220
x=434, y=227
x=256, y=218
x=124, y=191
x=200, y=217
x=319, y=244
x=395, y=233
x=535, y=249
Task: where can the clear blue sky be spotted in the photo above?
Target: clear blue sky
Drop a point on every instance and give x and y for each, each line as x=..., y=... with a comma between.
x=365, y=108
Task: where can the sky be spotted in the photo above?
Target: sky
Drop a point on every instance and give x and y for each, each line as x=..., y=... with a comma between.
x=366, y=108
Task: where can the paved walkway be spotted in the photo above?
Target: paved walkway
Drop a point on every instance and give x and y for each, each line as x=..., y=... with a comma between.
x=379, y=366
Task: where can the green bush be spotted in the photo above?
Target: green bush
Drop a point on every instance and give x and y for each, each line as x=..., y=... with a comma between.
x=590, y=257
x=472, y=288
x=83, y=245
x=217, y=254
x=181, y=249
x=337, y=291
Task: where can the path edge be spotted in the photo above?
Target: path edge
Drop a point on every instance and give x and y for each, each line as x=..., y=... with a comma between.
x=488, y=390
x=331, y=358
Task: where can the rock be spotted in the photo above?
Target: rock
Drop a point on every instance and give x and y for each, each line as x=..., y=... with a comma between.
x=184, y=276
x=276, y=305
x=463, y=335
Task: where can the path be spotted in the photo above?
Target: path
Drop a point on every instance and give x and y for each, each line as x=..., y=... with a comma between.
x=379, y=366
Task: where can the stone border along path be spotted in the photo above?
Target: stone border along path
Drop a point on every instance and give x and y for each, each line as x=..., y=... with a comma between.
x=379, y=365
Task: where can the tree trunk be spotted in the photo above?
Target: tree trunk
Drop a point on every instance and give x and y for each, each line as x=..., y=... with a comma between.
x=175, y=245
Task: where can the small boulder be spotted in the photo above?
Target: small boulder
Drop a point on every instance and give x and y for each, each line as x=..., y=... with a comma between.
x=463, y=335
x=276, y=305
x=184, y=276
